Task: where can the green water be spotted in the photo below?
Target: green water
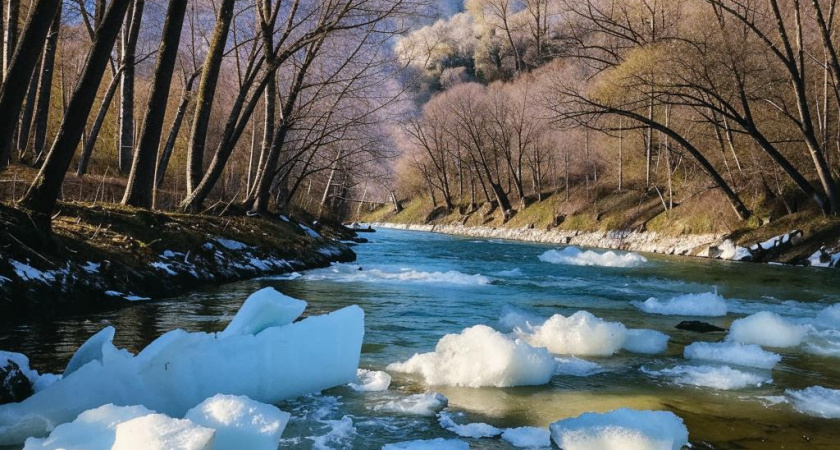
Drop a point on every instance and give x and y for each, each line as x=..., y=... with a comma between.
x=417, y=287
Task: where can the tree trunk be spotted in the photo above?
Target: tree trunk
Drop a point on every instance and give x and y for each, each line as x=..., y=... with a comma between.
x=166, y=152
x=125, y=141
x=206, y=93
x=20, y=71
x=93, y=134
x=10, y=33
x=42, y=110
x=25, y=122
x=141, y=180
x=43, y=194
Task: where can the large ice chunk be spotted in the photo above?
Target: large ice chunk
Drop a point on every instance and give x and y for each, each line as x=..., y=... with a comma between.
x=481, y=356
x=649, y=342
x=577, y=257
x=707, y=304
x=263, y=309
x=749, y=355
x=38, y=381
x=767, y=329
x=180, y=369
x=624, y=429
x=94, y=429
x=160, y=432
x=816, y=401
x=527, y=437
x=240, y=423
x=580, y=334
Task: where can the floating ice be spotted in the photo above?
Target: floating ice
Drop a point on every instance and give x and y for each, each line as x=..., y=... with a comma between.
x=160, y=432
x=577, y=257
x=579, y=334
x=823, y=343
x=829, y=317
x=649, y=342
x=427, y=404
x=717, y=377
x=431, y=444
x=707, y=304
x=481, y=356
x=180, y=369
x=767, y=329
x=263, y=309
x=749, y=355
x=470, y=430
x=515, y=272
x=240, y=422
x=94, y=429
x=816, y=401
x=371, y=381
x=512, y=318
x=624, y=429
x=39, y=382
x=527, y=437
x=348, y=273
x=577, y=367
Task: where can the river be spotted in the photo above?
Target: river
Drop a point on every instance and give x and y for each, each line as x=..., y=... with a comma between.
x=417, y=287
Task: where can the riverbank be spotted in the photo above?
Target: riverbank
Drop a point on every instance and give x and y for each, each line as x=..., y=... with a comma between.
x=103, y=256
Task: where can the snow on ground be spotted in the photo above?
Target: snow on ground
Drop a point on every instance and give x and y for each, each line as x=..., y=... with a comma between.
x=767, y=329
x=624, y=429
x=230, y=244
x=723, y=378
x=821, y=258
x=527, y=437
x=94, y=429
x=816, y=401
x=648, y=342
x=240, y=423
x=577, y=257
x=470, y=430
x=431, y=444
x=161, y=432
x=707, y=304
x=309, y=231
x=371, y=381
x=91, y=267
x=426, y=404
x=180, y=369
x=351, y=273
x=749, y=355
x=26, y=272
x=39, y=382
x=481, y=356
x=576, y=367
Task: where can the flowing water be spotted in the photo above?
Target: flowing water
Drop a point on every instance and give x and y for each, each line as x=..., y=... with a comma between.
x=417, y=287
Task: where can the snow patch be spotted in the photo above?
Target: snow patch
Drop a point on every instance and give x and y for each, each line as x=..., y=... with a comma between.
x=481, y=356
x=577, y=257
x=624, y=429
x=707, y=304
x=230, y=244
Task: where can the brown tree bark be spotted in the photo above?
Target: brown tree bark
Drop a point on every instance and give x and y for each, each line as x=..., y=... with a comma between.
x=45, y=79
x=131, y=32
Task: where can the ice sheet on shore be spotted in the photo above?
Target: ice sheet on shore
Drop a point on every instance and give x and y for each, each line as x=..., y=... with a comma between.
x=181, y=369
x=577, y=257
x=723, y=378
x=431, y=444
x=767, y=329
x=749, y=355
x=624, y=429
x=816, y=401
x=527, y=437
x=707, y=304
x=481, y=356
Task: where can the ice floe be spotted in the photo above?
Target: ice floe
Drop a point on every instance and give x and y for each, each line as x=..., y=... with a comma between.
x=481, y=356
x=94, y=429
x=816, y=401
x=577, y=257
x=161, y=432
x=430, y=444
x=706, y=304
x=349, y=273
x=723, y=378
x=470, y=430
x=649, y=342
x=371, y=381
x=180, y=369
x=749, y=355
x=579, y=334
x=240, y=423
x=527, y=437
x=426, y=404
x=624, y=429
x=576, y=367
x=767, y=329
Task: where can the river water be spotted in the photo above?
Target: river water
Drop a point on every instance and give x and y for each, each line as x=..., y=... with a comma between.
x=417, y=287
